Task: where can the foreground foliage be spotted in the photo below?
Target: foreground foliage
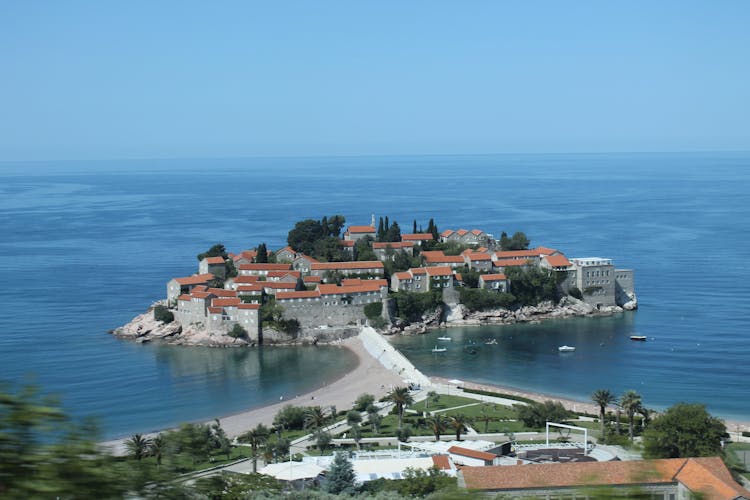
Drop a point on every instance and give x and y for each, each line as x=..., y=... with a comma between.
x=684, y=430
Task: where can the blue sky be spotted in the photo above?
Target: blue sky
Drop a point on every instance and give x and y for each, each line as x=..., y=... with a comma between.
x=136, y=79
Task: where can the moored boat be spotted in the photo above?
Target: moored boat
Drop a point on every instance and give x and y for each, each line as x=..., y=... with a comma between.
x=641, y=338
x=566, y=348
x=439, y=349
x=445, y=339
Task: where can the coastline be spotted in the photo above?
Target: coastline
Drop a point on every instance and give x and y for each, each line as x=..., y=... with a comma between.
x=368, y=376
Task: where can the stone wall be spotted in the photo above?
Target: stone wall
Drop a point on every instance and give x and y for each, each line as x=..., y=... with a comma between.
x=314, y=315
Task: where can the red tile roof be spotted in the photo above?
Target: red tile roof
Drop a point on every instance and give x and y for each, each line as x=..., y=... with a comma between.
x=220, y=292
x=229, y=302
x=417, y=237
x=557, y=260
x=461, y=232
x=312, y=279
x=278, y=285
x=281, y=274
x=476, y=256
x=405, y=275
x=200, y=288
x=347, y=243
x=440, y=259
x=362, y=264
x=365, y=286
x=248, y=306
x=707, y=476
x=185, y=296
x=440, y=271
x=442, y=462
x=492, y=277
x=466, y=452
x=306, y=257
x=305, y=294
x=215, y=310
x=446, y=233
x=360, y=229
x=200, y=295
x=477, y=232
x=214, y=260
x=196, y=279
x=265, y=267
x=256, y=287
x=418, y=270
x=245, y=279
x=245, y=254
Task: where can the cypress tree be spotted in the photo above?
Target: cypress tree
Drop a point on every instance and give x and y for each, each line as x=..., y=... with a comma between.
x=262, y=256
x=414, y=227
x=381, y=231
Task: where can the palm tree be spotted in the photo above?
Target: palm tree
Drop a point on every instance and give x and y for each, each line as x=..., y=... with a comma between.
x=256, y=438
x=401, y=397
x=374, y=418
x=630, y=402
x=157, y=448
x=603, y=398
x=138, y=446
x=486, y=418
x=437, y=424
x=459, y=422
x=315, y=417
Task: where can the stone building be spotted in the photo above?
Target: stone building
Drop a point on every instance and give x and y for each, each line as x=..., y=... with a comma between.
x=213, y=265
x=354, y=233
x=364, y=267
x=385, y=250
x=179, y=286
x=496, y=282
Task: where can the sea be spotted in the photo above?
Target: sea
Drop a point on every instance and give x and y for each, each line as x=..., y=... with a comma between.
x=87, y=245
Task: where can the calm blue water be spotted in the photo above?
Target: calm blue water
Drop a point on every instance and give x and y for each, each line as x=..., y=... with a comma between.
x=87, y=245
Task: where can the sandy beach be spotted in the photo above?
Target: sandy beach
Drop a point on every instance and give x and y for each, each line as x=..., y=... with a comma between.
x=369, y=376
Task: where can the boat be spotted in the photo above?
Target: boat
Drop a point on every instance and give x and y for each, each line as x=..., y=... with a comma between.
x=445, y=339
x=439, y=349
x=641, y=338
x=566, y=348
x=491, y=342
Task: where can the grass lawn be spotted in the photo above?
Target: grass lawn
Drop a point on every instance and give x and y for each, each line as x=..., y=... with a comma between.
x=183, y=463
x=389, y=424
x=445, y=401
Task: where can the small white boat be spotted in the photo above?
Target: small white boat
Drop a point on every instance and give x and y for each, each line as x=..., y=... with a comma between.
x=491, y=342
x=641, y=338
x=566, y=348
x=445, y=339
x=439, y=349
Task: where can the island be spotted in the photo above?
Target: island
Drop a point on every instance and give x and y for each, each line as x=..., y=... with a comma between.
x=324, y=286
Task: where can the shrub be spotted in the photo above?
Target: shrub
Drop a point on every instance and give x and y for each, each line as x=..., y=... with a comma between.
x=499, y=395
x=237, y=332
x=412, y=305
x=535, y=415
x=373, y=310
x=163, y=314
x=378, y=322
x=575, y=292
x=477, y=299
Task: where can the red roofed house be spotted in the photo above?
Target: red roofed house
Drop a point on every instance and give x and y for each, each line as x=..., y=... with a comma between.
x=469, y=457
x=213, y=265
x=286, y=254
x=245, y=257
x=496, y=282
x=668, y=479
x=479, y=261
x=178, y=286
x=354, y=233
x=417, y=238
x=364, y=267
x=438, y=258
x=473, y=237
x=422, y=279
x=302, y=263
x=262, y=269
x=387, y=249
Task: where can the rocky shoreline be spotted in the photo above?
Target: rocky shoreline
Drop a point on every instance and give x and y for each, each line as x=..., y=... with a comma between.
x=457, y=315
x=144, y=328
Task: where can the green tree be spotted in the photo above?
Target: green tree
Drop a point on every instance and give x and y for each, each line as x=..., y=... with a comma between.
x=163, y=314
x=290, y=417
x=393, y=233
x=631, y=403
x=437, y=424
x=531, y=285
x=299, y=286
x=518, y=241
x=138, y=446
x=340, y=477
x=315, y=417
x=374, y=418
x=535, y=415
x=459, y=423
x=401, y=397
x=157, y=449
x=217, y=250
x=322, y=439
x=256, y=438
x=603, y=398
x=353, y=417
x=262, y=254
x=364, y=401
x=432, y=397
x=684, y=430
x=404, y=433
x=237, y=332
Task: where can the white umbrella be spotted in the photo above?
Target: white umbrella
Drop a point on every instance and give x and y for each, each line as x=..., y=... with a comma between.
x=292, y=471
x=455, y=381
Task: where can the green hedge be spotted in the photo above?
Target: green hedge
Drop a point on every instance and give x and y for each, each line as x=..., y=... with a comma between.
x=373, y=310
x=500, y=395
